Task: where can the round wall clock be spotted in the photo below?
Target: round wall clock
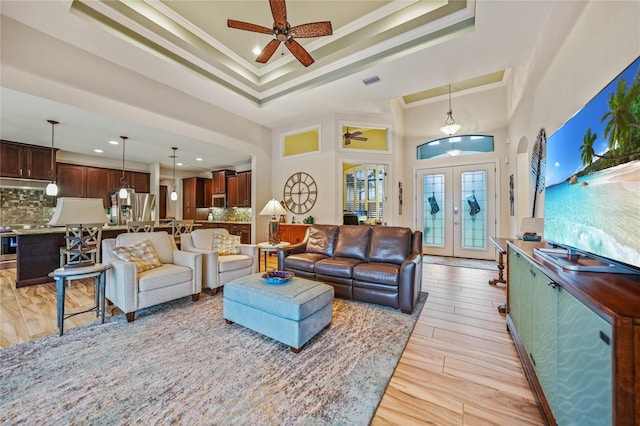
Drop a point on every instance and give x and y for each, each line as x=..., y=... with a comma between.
x=300, y=193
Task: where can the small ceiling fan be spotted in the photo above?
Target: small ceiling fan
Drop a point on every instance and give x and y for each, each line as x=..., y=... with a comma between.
x=284, y=32
x=355, y=136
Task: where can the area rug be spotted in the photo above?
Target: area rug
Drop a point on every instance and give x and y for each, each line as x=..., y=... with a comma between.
x=180, y=363
x=461, y=262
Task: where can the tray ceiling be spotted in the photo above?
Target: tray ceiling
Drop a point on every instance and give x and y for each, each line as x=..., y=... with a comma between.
x=195, y=35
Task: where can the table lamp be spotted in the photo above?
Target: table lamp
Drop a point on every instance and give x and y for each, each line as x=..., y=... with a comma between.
x=83, y=218
x=273, y=209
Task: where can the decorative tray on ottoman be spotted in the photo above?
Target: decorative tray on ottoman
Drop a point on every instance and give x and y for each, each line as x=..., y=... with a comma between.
x=277, y=277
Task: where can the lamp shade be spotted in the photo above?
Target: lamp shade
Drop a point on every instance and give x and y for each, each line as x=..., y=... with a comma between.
x=273, y=208
x=76, y=211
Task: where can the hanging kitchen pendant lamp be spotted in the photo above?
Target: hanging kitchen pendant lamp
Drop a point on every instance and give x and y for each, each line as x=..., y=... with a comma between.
x=52, y=188
x=174, y=194
x=123, y=180
x=450, y=127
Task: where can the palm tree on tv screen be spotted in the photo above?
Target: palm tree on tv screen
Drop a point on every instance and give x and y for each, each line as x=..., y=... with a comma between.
x=587, y=153
x=622, y=128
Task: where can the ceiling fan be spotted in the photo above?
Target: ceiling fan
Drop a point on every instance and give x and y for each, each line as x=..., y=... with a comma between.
x=284, y=32
x=355, y=136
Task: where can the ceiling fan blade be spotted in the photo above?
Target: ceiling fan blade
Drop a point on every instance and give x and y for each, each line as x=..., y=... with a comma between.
x=347, y=141
x=299, y=52
x=359, y=138
x=279, y=12
x=313, y=29
x=248, y=27
x=356, y=133
x=268, y=51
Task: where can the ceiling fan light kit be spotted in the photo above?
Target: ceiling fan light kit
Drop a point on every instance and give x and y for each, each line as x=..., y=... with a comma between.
x=284, y=33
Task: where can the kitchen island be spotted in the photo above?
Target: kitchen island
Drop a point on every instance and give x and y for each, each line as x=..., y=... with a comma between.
x=38, y=251
x=234, y=227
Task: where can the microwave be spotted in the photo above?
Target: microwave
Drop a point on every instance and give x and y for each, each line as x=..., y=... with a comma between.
x=219, y=200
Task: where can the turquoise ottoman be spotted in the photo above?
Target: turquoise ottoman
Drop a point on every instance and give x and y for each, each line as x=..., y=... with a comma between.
x=291, y=313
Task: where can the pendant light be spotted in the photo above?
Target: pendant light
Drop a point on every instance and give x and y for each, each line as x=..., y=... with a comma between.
x=174, y=194
x=52, y=188
x=450, y=127
x=123, y=180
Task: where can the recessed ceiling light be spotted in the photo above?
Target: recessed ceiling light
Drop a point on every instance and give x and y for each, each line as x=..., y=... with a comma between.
x=198, y=159
x=178, y=164
x=114, y=142
x=256, y=50
x=99, y=151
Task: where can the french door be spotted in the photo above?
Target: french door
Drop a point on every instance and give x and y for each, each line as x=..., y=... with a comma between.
x=457, y=210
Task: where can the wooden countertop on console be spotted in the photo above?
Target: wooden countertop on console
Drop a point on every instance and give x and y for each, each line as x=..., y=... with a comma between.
x=607, y=293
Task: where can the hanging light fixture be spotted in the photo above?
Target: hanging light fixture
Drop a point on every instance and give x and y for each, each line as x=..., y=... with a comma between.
x=52, y=188
x=450, y=127
x=174, y=194
x=123, y=180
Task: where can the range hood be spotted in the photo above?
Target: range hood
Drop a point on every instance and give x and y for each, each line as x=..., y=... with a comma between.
x=23, y=183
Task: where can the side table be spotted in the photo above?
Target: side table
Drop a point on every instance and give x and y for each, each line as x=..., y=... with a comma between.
x=62, y=275
x=501, y=245
x=267, y=247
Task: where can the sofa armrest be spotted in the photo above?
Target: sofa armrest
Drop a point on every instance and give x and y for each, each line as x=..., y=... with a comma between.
x=250, y=250
x=122, y=285
x=253, y=251
x=193, y=261
x=410, y=282
x=289, y=250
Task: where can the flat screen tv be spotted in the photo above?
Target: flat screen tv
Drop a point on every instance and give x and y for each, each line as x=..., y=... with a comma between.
x=592, y=181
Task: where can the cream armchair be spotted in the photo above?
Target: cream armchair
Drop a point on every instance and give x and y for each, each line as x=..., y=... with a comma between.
x=217, y=269
x=130, y=286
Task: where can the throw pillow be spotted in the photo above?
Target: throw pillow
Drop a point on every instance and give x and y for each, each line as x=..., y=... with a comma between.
x=142, y=254
x=226, y=244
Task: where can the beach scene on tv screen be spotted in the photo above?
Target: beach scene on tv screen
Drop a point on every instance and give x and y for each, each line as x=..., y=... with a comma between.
x=592, y=192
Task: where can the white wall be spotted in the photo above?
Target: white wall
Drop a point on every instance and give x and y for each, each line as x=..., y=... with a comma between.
x=478, y=112
x=326, y=167
x=566, y=73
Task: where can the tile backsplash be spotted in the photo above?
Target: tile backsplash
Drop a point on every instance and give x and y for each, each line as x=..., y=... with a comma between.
x=25, y=205
x=231, y=214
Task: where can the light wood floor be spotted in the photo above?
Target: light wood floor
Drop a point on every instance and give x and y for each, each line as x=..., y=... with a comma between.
x=460, y=366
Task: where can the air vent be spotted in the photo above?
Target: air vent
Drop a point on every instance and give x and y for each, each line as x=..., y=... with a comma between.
x=371, y=80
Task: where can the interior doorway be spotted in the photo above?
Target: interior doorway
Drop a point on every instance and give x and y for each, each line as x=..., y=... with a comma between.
x=457, y=210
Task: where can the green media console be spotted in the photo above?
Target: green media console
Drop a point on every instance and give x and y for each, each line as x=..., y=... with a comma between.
x=577, y=334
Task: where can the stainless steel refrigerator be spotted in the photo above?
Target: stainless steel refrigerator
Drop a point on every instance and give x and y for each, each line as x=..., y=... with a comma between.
x=134, y=207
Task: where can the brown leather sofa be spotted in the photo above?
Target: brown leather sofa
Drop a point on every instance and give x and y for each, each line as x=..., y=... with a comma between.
x=375, y=264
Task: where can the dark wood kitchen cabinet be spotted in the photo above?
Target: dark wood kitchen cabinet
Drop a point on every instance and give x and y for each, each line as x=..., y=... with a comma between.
x=72, y=180
x=219, y=181
x=193, y=196
x=208, y=192
x=25, y=161
x=239, y=190
x=97, y=182
x=139, y=181
x=241, y=229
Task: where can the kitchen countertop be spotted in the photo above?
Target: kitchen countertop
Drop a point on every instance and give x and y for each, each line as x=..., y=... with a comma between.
x=223, y=221
x=62, y=229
